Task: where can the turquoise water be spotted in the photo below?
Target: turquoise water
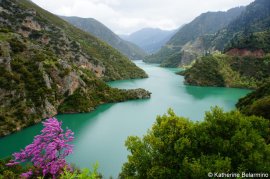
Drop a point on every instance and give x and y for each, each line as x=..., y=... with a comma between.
x=100, y=135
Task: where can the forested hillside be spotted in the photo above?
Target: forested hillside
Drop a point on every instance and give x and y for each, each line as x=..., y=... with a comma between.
x=245, y=41
x=250, y=30
x=188, y=44
x=48, y=66
x=102, y=32
x=229, y=71
x=256, y=103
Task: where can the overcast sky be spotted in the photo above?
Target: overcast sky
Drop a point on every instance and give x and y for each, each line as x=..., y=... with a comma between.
x=127, y=16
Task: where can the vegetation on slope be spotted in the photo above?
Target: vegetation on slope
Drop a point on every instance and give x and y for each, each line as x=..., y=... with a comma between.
x=175, y=147
x=246, y=41
x=251, y=41
x=205, y=72
x=47, y=64
x=256, y=103
x=87, y=100
x=206, y=23
x=115, y=63
x=100, y=31
x=250, y=30
x=227, y=71
x=245, y=28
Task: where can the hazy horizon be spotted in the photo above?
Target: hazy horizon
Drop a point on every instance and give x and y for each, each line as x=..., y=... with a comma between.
x=125, y=17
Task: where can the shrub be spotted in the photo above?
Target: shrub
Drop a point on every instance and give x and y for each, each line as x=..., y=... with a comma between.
x=16, y=45
x=257, y=102
x=84, y=173
x=48, y=150
x=176, y=147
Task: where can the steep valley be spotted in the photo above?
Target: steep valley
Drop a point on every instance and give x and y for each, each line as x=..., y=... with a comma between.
x=199, y=103
x=102, y=32
x=192, y=40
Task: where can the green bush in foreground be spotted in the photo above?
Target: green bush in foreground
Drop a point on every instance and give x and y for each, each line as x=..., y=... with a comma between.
x=14, y=172
x=8, y=172
x=176, y=147
x=83, y=174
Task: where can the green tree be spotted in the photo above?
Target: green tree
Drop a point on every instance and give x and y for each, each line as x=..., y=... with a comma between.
x=257, y=102
x=176, y=147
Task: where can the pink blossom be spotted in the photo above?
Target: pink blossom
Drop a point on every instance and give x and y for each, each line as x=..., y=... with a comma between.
x=48, y=150
x=27, y=174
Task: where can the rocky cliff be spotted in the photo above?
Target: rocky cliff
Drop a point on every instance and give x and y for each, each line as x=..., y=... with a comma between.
x=48, y=66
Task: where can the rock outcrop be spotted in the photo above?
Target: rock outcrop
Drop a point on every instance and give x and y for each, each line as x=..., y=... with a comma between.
x=139, y=93
x=246, y=53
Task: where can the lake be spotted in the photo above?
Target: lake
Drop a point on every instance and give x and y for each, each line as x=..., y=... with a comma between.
x=100, y=135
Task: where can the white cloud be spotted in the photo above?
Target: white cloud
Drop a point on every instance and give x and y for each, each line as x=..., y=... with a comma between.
x=126, y=16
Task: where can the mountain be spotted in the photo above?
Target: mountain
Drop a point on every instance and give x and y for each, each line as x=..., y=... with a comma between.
x=150, y=39
x=102, y=32
x=245, y=43
x=188, y=44
x=49, y=66
x=250, y=31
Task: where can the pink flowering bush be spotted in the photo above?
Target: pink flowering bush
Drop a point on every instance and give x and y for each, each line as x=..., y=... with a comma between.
x=48, y=150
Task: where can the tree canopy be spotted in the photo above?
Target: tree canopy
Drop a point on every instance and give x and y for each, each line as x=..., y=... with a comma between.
x=176, y=147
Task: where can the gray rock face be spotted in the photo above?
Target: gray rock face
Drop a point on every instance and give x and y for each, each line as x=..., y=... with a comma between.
x=46, y=64
x=50, y=109
x=139, y=93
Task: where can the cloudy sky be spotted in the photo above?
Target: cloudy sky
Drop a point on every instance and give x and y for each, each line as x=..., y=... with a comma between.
x=127, y=16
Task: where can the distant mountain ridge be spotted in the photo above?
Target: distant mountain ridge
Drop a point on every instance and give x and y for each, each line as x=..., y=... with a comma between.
x=102, y=32
x=150, y=39
x=187, y=44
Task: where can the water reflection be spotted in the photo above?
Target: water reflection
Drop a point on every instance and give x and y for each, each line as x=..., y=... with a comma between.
x=200, y=93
